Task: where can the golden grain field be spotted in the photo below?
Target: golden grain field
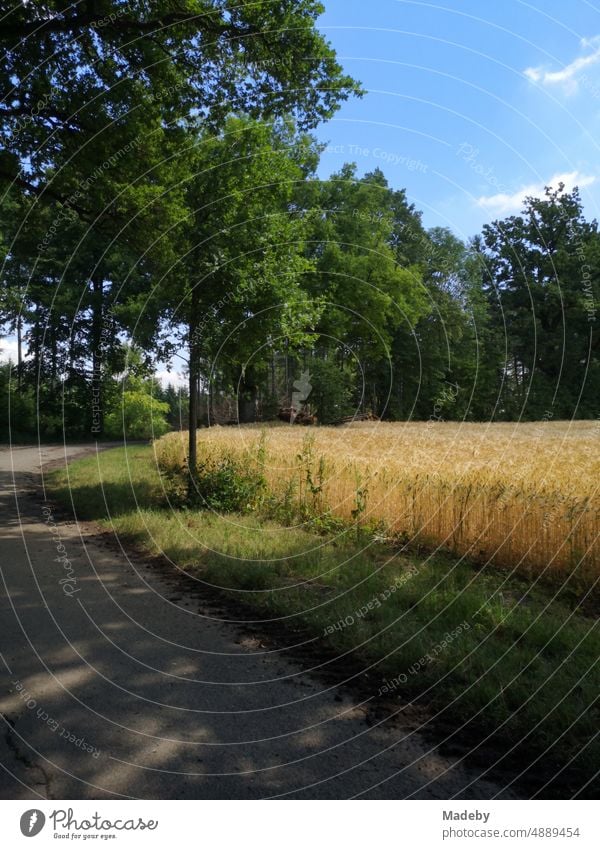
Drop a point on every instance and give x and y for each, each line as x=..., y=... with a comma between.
x=519, y=495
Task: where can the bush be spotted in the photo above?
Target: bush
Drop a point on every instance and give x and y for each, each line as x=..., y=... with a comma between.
x=139, y=416
x=226, y=485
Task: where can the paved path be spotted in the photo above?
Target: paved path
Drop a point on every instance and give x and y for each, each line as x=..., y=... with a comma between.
x=113, y=686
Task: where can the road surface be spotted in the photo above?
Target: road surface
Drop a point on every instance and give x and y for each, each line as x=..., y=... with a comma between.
x=115, y=685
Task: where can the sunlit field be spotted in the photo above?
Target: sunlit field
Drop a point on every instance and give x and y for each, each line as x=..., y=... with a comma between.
x=522, y=496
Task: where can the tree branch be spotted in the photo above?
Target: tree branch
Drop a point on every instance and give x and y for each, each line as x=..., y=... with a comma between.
x=78, y=22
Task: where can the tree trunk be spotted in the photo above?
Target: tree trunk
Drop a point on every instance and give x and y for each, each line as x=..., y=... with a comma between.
x=273, y=378
x=288, y=399
x=247, y=396
x=53, y=368
x=97, y=317
x=193, y=416
x=247, y=407
x=210, y=400
x=19, y=352
x=194, y=381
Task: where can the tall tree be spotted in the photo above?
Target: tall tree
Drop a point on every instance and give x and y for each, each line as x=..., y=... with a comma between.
x=238, y=288
x=367, y=282
x=542, y=283
x=108, y=73
x=101, y=105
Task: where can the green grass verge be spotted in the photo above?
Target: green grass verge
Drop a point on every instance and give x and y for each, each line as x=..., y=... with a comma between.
x=480, y=645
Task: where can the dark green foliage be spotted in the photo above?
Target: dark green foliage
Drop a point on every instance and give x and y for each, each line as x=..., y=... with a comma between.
x=227, y=486
x=177, y=398
x=541, y=281
x=138, y=416
x=332, y=390
x=140, y=144
x=17, y=409
x=102, y=106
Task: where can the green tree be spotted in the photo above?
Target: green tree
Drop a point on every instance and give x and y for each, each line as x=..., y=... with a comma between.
x=102, y=103
x=177, y=399
x=139, y=415
x=135, y=405
x=83, y=80
x=435, y=359
x=542, y=285
x=17, y=408
x=367, y=292
x=238, y=288
x=331, y=390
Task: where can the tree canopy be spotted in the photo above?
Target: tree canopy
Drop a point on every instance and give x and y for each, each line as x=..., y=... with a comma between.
x=158, y=183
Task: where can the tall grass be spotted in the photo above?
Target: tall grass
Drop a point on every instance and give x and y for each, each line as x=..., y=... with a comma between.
x=517, y=495
x=496, y=654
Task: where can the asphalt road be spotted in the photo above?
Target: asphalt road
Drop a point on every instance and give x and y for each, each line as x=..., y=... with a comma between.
x=114, y=685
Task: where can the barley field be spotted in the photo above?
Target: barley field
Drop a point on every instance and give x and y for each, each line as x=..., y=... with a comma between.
x=524, y=496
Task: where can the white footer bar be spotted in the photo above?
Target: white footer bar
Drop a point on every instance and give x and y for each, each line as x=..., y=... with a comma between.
x=302, y=824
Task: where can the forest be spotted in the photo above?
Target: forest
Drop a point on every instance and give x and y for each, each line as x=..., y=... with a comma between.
x=145, y=220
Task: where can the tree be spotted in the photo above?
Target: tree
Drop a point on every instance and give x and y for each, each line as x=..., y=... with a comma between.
x=83, y=80
x=177, y=399
x=102, y=105
x=237, y=289
x=368, y=293
x=135, y=406
x=331, y=390
x=16, y=408
x=435, y=360
x=542, y=283
x=140, y=414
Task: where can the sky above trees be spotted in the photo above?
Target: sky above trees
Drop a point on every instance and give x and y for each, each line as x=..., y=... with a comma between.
x=469, y=105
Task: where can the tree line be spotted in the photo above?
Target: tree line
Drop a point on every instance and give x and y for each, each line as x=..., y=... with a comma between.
x=160, y=199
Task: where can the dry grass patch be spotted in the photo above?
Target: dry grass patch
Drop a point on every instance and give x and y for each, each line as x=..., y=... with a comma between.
x=517, y=495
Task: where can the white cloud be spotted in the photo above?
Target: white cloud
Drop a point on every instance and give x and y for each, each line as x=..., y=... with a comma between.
x=8, y=349
x=174, y=377
x=568, y=78
x=507, y=204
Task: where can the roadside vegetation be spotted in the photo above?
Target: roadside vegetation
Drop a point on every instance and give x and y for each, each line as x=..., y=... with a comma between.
x=491, y=652
x=522, y=496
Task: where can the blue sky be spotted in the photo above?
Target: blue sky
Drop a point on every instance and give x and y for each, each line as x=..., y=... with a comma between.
x=470, y=104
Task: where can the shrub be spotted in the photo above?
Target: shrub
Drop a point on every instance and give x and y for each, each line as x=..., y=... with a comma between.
x=227, y=485
x=139, y=416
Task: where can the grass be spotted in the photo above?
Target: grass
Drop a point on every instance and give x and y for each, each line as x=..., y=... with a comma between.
x=511, y=494
x=503, y=654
